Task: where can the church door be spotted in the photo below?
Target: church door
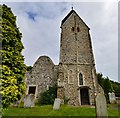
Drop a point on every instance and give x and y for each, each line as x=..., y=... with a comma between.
x=32, y=89
x=84, y=96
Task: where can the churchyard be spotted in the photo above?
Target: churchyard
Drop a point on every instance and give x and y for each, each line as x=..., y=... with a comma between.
x=77, y=91
x=65, y=110
x=28, y=107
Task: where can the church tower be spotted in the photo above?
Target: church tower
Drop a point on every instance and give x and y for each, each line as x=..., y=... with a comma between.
x=77, y=81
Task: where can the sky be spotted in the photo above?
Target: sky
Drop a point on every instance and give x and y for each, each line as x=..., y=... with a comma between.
x=39, y=23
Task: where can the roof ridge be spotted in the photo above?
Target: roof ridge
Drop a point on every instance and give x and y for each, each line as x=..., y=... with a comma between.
x=67, y=16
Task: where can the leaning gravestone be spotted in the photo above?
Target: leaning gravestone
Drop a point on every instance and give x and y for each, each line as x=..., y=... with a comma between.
x=57, y=103
x=101, y=108
x=29, y=100
x=112, y=97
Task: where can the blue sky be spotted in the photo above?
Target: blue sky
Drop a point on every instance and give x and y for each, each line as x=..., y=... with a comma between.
x=40, y=26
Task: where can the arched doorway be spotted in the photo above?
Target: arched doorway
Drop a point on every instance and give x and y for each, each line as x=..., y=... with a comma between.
x=84, y=93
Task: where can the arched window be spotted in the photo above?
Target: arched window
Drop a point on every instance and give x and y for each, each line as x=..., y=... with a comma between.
x=72, y=29
x=78, y=29
x=80, y=79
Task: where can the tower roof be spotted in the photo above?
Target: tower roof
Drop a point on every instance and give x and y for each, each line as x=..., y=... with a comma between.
x=72, y=11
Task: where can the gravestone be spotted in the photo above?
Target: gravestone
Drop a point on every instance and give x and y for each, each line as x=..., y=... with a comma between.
x=101, y=108
x=57, y=103
x=29, y=100
x=112, y=97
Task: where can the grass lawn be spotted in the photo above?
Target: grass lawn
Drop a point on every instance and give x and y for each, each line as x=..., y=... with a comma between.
x=47, y=110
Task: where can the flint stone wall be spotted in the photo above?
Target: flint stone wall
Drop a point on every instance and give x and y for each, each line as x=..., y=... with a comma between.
x=43, y=75
x=76, y=56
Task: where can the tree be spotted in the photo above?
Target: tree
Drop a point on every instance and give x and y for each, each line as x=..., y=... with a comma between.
x=105, y=83
x=29, y=68
x=114, y=86
x=13, y=67
x=107, y=86
x=100, y=79
x=0, y=31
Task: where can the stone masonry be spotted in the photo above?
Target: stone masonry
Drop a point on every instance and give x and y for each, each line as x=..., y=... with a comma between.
x=75, y=75
x=42, y=76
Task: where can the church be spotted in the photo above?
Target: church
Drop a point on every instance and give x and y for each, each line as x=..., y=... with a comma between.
x=75, y=75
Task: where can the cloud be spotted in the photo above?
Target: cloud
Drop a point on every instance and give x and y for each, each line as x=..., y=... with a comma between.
x=40, y=26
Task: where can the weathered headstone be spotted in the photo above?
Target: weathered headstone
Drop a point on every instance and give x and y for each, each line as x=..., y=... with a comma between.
x=112, y=97
x=29, y=100
x=101, y=107
x=57, y=103
x=118, y=100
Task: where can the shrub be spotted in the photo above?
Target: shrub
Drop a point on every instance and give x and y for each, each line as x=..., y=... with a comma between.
x=48, y=96
x=66, y=100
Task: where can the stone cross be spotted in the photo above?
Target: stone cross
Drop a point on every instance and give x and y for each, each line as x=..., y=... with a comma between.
x=112, y=97
x=101, y=108
x=57, y=103
x=29, y=100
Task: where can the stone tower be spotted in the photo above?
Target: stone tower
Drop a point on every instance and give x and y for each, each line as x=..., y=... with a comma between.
x=77, y=81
